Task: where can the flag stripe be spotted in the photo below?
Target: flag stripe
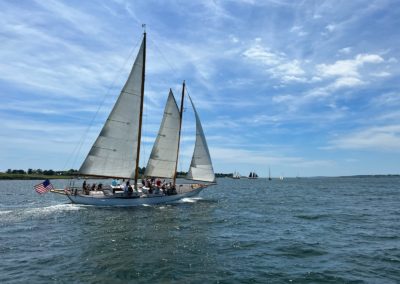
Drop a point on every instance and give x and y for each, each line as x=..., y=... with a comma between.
x=44, y=187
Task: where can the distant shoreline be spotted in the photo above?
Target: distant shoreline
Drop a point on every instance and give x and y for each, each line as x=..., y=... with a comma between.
x=5, y=176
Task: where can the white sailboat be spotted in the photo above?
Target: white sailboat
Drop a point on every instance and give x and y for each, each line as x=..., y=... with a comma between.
x=116, y=151
x=236, y=175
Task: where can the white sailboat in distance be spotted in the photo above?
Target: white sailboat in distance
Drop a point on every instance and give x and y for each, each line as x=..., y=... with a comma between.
x=236, y=175
x=115, y=153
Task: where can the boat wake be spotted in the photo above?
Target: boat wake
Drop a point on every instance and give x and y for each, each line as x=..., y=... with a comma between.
x=22, y=213
x=5, y=212
x=189, y=200
x=54, y=209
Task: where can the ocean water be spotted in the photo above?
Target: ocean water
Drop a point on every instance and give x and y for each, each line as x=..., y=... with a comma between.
x=307, y=230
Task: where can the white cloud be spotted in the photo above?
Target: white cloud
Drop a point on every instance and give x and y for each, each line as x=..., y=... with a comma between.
x=260, y=158
x=345, y=50
x=348, y=68
x=383, y=138
x=331, y=27
x=276, y=63
x=346, y=82
x=234, y=39
x=298, y=30
x=283, y=98
x=348, y=73
x=381, y=74
x=263, y=55
x=81, y=21
x=290, y=68
x=391, y=99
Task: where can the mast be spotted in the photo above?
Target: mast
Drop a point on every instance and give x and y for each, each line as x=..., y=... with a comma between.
x=180, y=127
x=141, y=111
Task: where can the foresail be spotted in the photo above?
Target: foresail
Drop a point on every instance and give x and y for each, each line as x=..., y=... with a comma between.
x=201, y=166
x=163, y=157
x=114, y=152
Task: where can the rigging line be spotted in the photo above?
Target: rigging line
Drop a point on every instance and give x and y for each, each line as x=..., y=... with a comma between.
x=173, y=69
x=78, y=147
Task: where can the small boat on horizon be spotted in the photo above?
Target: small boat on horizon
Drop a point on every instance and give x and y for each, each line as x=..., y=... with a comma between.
x=253, y=175
x=236, y=175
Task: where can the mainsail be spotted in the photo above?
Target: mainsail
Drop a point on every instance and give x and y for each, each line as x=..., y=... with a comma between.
x=114, y=154
x=163, y=157
x=201, y=166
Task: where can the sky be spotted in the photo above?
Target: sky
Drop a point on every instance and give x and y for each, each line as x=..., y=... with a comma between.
x=305, y=88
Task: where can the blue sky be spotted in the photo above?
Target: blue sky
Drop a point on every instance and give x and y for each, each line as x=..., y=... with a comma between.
x=306, y=88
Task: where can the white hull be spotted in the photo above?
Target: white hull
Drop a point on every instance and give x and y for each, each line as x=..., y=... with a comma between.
x=128, y=202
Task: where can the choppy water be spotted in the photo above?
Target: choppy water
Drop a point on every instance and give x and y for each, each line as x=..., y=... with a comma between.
x=328, y=230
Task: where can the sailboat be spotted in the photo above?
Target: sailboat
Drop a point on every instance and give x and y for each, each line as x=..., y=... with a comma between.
x=236, y=175
x=269, y=174
x=115, y=153
x=253, y=175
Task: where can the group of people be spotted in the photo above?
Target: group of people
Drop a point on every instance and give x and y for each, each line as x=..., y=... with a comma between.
x=149, y=186
x=157, y=186
x=117, y=185
x=87, y=188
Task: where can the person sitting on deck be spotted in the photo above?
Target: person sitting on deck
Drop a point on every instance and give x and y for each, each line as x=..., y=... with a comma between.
x=93, y=188
x=130, y=190
x=86, y=190
x=164, y=188
x=173, y=192
x=126, y=187
x=84, y=185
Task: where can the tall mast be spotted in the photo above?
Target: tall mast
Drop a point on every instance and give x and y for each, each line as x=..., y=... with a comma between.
x=141, y=111
x=180, y=127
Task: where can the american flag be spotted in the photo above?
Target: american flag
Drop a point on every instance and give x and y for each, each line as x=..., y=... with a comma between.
x=43, y=187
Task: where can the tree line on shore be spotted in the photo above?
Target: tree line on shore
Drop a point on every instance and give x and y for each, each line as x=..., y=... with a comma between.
x=73, y=172
x=70, y=172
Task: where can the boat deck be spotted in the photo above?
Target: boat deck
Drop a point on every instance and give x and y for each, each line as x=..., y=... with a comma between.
x=108, y=192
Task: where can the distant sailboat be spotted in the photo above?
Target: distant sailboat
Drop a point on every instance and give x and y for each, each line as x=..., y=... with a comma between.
x=269, y=174
x=115, y=153
x=253, y=175
x=236, y=175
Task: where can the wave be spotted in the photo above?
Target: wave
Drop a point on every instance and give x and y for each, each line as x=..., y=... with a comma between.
x=301, y=250
x=312, y=217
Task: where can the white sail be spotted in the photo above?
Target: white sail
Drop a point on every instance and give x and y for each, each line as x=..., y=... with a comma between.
x=201, y=166
x=113, y=153
x=162, y=161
